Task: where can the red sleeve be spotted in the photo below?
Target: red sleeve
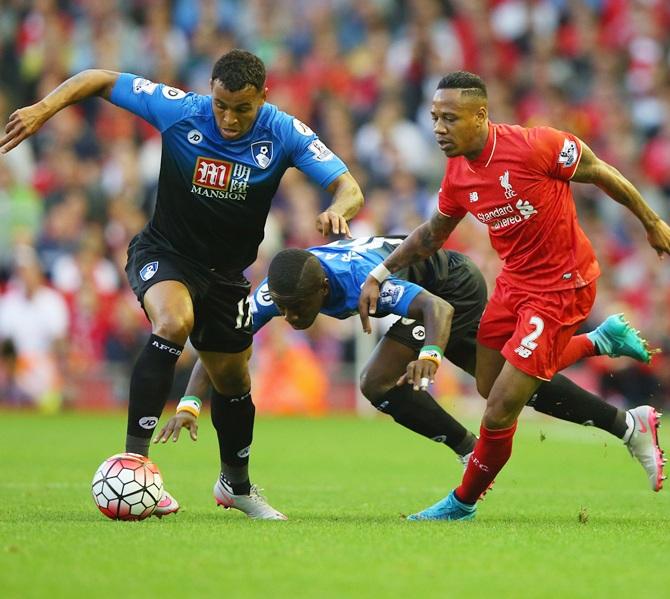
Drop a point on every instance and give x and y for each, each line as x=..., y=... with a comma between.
x=447, y=206
x=555, y=153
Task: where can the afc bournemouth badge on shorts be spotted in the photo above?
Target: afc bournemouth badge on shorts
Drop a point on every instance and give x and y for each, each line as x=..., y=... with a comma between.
x=149, y=270
x=261, y=151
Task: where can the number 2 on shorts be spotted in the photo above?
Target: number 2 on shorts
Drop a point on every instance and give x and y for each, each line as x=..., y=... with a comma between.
x=529, y=340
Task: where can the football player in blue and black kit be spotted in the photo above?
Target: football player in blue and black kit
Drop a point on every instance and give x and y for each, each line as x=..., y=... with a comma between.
x=440, y=302
x=223, y=156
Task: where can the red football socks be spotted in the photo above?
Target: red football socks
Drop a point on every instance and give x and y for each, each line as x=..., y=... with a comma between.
x=493, y=449
x=579, y=347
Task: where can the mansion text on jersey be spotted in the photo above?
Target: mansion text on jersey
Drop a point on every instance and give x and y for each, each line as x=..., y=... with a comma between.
x=219, y=194
x=213, y=178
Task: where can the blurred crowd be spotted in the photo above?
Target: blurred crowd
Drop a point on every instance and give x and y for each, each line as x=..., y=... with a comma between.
x=361, y=73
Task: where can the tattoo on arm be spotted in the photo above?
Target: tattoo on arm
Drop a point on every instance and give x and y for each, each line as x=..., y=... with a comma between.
x=423, y=242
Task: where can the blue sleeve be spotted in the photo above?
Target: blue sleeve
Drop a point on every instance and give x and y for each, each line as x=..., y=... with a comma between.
x=157, y=103
x=263, y=308
x=310, y=154
x=396, y=295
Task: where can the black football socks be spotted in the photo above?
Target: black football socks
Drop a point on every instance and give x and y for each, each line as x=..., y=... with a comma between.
x=233, y=419
x=565, y=400
x=419, y=412
x=150, y=385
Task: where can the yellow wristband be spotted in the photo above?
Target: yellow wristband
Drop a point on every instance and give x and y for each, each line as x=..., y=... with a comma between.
x=432, y=359
x=432, y=353
x=188, y=408
x=190, y=404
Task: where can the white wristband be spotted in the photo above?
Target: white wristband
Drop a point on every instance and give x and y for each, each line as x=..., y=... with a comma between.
x=380, y=273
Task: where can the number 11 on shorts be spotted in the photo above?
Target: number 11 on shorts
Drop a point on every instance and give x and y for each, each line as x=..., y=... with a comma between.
x=243, y=313
x=528, y=342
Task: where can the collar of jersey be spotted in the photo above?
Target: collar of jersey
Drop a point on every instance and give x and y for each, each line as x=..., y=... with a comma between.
x=489, y=149
x=215, y=128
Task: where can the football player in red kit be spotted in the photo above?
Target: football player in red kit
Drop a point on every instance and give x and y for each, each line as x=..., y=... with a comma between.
x=515, y=180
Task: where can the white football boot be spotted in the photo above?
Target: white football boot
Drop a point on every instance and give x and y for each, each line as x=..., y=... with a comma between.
x=166, y=506
x=642, y=442
x=253, y=505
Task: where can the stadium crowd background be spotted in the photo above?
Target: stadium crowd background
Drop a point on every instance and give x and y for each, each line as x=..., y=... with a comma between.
x=361, y=73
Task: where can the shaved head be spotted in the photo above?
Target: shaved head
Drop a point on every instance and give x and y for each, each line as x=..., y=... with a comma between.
x=298, y=286
x=468, y=83
x=294, y=273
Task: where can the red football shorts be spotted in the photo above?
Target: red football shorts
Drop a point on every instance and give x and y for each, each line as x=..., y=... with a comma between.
x=530, y=329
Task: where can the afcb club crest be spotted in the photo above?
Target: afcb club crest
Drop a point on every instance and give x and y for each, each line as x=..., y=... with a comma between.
x=261, y=152
x=149, y=270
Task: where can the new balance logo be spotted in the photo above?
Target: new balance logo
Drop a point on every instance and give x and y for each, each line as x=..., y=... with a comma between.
x=474, y=196
x=524, y=352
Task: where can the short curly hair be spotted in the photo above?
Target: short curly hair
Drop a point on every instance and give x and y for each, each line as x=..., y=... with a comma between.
x=237, y=69
x=294, y=273
x=471, y=84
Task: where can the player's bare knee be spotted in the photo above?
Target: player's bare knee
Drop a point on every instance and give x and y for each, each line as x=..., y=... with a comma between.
x=366, y=384
x=483, y=388
x=175, y=328
x=496, y=417
x=233, y=387
x=502, y=410
x=371, y=386
x=231, y=381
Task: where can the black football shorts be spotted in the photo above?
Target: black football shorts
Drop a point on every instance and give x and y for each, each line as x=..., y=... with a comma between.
x=456, y=279
x=220, y=300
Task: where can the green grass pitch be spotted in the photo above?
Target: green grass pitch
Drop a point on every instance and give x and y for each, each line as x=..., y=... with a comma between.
x=570, y=516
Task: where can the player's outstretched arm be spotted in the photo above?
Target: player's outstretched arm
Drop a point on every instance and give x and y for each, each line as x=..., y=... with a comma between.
x=199, y=383
x=421, y=243
x=347, y=201
x=593, y=170
x=436, y=315
x=188, y=409
x=26, y=121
